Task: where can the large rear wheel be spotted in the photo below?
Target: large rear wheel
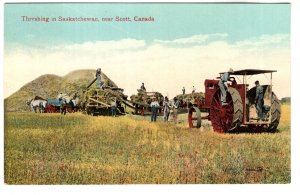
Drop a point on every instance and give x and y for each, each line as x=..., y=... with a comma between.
x=229, y=117
x=275, y=114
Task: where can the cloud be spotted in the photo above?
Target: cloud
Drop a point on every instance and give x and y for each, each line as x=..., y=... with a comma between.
x=196, y=39
x=265, y=40
x=123, y=44
x=164, y=66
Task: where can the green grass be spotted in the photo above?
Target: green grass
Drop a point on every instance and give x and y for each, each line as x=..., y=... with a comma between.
x=79, y=149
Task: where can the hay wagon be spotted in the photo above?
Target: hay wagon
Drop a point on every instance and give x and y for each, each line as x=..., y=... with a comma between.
x=98, y=101
x=141, y=102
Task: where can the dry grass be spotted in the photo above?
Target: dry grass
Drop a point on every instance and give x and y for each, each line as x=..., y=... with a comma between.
x=79, y=149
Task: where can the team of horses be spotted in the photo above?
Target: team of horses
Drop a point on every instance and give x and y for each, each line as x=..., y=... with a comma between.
x=40, y=105
x=37, y=105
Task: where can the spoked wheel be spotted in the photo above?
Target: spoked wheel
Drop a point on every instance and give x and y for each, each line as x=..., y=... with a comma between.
x=228, y=117
x=275, y=114
x=194, y=117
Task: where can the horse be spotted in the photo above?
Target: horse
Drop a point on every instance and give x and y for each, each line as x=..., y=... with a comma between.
x=34, y=104
x=68, y=101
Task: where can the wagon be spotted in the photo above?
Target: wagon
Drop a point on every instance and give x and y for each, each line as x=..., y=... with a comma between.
x=141, y=102
x=98, y=101
x=54, y=106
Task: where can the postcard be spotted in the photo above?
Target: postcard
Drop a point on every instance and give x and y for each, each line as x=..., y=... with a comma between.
x=147, y=93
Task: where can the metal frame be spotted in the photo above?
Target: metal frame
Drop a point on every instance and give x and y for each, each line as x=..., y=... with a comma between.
x=245, y=75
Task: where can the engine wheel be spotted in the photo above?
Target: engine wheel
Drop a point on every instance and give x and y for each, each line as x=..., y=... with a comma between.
x=194, y=117
x=275, y=114
x=228, y=117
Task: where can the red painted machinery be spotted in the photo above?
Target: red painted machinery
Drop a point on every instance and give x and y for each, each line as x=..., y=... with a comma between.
x=240, y=112
x=54, y=106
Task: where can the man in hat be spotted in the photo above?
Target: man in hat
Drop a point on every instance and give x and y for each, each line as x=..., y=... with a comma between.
x=154, y=108
x=175, y=109
x=143, y=88
x=183, y=91
x=113, y=104
x=167, y=107
x=259, y=100
x=99, y=82
x=223, y=85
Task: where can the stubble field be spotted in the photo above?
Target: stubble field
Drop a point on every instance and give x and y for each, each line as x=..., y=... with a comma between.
x=80, y=149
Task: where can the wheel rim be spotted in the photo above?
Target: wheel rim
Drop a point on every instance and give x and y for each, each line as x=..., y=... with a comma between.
x=229, y=117
x=194, y=117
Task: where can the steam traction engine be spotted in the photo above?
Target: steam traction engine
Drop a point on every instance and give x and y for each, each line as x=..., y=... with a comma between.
x=240, y=111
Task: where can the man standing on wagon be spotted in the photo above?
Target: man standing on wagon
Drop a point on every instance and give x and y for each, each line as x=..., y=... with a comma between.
x=143, y=88
x=223, y=85
x=99, y=83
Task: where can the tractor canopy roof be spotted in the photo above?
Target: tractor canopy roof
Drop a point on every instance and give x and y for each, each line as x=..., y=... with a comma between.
x=250, y=72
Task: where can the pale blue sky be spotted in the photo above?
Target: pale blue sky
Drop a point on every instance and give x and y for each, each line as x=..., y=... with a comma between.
x=172, y=21
x=182, y=42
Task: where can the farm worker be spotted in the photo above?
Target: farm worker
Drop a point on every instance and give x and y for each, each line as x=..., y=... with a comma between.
x=259, y=100
x=223, y=85
x=99, y=83
x=143, y=88
x=167, y=107
x=175, y=109
x=60, y=96
x=193, y=89
x=113, y=107
x=183, y=91
x=154, y=108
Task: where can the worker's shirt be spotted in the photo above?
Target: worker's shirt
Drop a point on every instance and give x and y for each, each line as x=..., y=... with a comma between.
x=176, y=104
x=225, y=77
x=154, y=104
x=166, y=106
x=259, y=93
x=113, y=104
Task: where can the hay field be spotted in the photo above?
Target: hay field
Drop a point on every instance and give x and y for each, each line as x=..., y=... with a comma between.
x=80, y=149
